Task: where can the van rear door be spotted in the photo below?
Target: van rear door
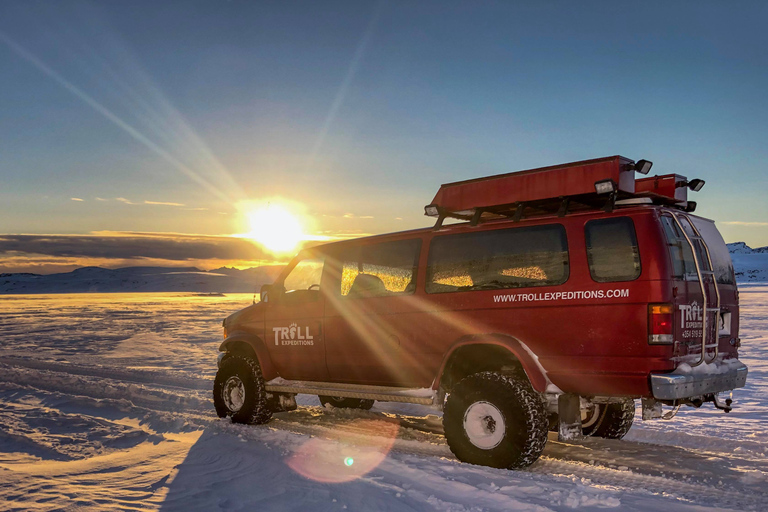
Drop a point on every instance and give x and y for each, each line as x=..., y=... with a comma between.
x=707, y=290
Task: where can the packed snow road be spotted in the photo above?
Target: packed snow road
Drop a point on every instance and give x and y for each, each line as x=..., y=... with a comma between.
x=105, y=404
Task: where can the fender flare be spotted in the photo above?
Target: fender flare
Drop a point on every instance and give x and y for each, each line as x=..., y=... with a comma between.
x=258, y=347
x=535, y=372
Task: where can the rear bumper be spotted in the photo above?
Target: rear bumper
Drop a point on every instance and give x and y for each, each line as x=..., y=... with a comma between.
x=671, y=386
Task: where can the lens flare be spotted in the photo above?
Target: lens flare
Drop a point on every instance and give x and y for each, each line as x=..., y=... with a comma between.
x=354, y=449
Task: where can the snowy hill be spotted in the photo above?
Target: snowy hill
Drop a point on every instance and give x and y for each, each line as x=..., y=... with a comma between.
x=750, y=265
x=141, y=279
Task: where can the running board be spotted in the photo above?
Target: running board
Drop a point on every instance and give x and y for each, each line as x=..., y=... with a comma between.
x=380, y=393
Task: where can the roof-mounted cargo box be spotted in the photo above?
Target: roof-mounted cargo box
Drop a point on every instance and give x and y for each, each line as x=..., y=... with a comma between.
x=589, y=184
x=667, y=187
x=586, y=184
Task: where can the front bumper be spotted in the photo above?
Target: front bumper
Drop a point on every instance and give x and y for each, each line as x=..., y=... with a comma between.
x=671, y=386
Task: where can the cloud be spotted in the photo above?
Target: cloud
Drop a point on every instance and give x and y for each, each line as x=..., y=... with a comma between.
x=101, y=199
x=76, y=199
x=126, y=246
x=163, y=203
x=741, y=223
x=124, y=200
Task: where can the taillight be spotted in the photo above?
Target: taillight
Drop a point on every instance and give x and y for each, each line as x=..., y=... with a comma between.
x=660, y=318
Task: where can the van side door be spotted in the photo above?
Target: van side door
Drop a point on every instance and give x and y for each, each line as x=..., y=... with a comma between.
x=294, y=320
x=370, y=328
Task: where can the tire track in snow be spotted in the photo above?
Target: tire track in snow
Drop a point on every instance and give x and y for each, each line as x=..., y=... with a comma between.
x=596, y=462
x=141, y=376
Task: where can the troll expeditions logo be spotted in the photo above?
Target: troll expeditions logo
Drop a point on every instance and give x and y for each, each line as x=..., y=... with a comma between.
x=691, y=320
x=690, y=316
x=292, y=335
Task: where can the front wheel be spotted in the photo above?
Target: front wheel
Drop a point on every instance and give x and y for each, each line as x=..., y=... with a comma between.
x=239, y=391
x=495, y=420
x=345, y=403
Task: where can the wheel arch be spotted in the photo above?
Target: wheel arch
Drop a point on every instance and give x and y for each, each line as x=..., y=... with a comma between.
x=490, y=352
x=250, y=345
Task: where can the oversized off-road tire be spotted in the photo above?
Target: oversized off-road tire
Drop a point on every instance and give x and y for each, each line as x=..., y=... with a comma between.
x=611, y=421
x=345, y=403
x=495, y=420
x=239, y=391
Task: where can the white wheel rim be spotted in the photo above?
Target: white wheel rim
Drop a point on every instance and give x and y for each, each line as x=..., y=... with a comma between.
x=484, y=425
x=233, y=393
x=589, y=415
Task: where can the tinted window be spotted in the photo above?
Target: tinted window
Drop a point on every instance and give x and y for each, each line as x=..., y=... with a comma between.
x=612, y=250
x=505, y=258
x=701, y=252
x=378, y=270
x=679, y=250
x=721, y=258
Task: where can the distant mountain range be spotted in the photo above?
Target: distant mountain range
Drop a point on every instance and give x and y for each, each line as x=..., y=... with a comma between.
x=751, y=265
x=142, y=279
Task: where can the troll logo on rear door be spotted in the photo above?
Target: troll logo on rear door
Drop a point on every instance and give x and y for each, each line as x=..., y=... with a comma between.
x=690, y=316
x=292, y=335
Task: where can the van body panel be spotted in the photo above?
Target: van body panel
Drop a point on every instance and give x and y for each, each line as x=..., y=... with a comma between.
x=589, y=337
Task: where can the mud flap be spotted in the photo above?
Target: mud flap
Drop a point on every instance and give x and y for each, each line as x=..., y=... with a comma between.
x=569, y=418
x=651, y=409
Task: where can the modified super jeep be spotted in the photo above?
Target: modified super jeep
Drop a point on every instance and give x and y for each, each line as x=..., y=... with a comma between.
x=562, y=295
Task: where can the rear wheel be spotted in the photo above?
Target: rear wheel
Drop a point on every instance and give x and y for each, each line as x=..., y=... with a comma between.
x=345, y=403
x=495, y=420
x=239, y=391
x=611, y=421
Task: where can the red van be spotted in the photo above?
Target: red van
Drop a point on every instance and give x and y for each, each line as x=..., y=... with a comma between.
x=560, y=296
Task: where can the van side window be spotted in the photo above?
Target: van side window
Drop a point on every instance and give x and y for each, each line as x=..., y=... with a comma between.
x=379, y=270
x=505, y=258
x=612, y=250
x=307, y=272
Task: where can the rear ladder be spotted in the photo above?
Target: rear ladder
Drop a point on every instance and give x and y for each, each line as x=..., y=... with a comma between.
x=705, y=296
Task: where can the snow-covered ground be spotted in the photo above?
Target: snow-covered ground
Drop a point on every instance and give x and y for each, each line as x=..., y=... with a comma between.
x=105, y=404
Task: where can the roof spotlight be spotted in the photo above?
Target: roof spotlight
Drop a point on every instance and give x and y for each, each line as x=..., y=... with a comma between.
x=643, y=166
x=605, y=187
x=695, y=184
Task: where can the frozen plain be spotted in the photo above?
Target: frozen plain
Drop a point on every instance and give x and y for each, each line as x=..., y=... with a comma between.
x=105, y=405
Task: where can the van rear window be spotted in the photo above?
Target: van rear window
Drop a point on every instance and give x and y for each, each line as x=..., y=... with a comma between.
x=683, y=266
x=612, y=250
x=505, y=258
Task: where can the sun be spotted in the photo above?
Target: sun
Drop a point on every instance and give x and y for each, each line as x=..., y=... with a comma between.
x=275, y=228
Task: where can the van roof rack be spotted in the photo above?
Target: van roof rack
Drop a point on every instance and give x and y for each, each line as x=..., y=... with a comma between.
x=559, y=189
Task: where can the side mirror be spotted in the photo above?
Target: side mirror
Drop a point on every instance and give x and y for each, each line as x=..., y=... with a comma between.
x=264, y=293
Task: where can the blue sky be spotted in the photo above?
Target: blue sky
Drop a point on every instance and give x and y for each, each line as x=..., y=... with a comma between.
x=358, y=111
